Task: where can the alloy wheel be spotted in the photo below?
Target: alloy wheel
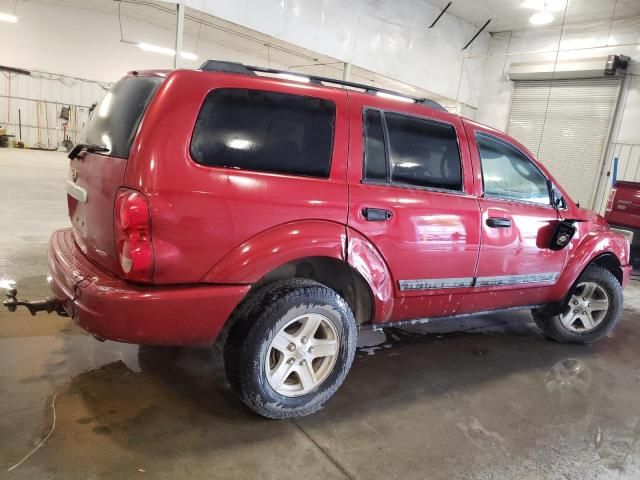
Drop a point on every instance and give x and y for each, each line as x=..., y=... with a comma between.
x=587, y=308
x=302, y=354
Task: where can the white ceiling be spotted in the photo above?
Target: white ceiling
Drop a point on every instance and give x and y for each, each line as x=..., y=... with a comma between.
x=514, y=14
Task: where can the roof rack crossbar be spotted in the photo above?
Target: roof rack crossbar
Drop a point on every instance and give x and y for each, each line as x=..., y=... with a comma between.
x=233, y=67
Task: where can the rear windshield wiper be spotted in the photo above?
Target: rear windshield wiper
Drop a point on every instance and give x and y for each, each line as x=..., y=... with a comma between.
x=89, y=147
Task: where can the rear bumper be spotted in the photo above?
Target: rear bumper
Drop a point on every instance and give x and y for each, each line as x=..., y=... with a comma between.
x=111, y=308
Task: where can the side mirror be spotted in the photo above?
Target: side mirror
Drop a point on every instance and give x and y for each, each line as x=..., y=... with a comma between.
x=564, y=232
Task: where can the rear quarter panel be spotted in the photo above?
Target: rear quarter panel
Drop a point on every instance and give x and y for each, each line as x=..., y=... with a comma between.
x=201, y=214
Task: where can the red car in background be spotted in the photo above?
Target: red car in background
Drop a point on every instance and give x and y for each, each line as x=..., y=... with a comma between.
x=623, y=214
x=281, y=216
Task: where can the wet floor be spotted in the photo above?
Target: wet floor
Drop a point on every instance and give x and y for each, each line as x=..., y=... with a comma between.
x=487, y=398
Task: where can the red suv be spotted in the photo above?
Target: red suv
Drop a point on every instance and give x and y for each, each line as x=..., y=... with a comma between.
x=280, y=216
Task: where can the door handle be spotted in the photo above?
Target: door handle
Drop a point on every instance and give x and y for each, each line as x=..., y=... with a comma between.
x=498, y=222
x=376, y=214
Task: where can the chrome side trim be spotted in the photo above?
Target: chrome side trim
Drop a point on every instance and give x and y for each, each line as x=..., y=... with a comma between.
x=434, y=283
x=76, y=192
x=550, y=277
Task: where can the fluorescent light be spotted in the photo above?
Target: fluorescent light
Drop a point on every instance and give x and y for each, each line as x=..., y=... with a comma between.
x=149, y=47
x=297, y=78
x=5, y=17
x=156, y=49
x=395, y=97
x=188, y=56
x=541, y=18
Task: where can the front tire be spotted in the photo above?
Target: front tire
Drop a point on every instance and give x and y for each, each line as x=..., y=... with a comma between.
x=289, y=348
x=590, y=313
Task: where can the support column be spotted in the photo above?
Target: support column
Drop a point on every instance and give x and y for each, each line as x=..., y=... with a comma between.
x=179, y=33
x=346, y=73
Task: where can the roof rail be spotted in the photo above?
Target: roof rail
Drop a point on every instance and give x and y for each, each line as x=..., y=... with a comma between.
x=235, y=67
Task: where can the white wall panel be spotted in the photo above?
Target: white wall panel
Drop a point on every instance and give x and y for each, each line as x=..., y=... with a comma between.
x=585, y=35
x=385, y=36
x=625, y=31
x=629, y=131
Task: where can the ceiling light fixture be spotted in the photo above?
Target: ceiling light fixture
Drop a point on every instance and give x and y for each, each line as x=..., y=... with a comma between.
x=148, y=47
x=541, y=18
x=188, y=56
x=5, y=17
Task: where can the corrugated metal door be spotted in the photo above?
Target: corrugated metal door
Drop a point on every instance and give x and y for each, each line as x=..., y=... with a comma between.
x=566, y=124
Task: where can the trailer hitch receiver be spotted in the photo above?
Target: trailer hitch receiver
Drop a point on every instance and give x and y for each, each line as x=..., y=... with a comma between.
x=48, y=305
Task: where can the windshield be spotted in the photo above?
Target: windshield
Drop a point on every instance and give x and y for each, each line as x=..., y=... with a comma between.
x=114, y=121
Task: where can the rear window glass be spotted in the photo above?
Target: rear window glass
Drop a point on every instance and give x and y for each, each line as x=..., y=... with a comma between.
x=114, y=121
x=265, y=131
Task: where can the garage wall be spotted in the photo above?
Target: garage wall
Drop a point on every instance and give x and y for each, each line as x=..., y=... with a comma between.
x=85, y=42
x=571, y=42
x=37, y=100
x=80, y=42
x=385, y=36
x=70, y=65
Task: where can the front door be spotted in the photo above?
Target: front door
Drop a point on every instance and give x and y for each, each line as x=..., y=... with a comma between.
x=409, y=195
x=516, y=267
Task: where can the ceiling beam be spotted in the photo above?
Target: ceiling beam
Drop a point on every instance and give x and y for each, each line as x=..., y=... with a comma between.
x=441, y=14
x=476, y=35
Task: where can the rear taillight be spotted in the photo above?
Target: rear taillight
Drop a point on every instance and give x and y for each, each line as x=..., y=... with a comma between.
x=133, y=235
x=612, y=196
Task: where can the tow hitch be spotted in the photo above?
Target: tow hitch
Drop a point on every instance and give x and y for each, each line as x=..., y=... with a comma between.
x=48, y=305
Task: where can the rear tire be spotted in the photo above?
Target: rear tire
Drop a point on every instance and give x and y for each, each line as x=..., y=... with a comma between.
x=289, y=348
x=590, y=313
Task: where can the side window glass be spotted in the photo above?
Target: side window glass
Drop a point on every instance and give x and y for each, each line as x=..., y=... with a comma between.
x=265, y=131
x=508, y=173
x=423, y=153
x=375, y=162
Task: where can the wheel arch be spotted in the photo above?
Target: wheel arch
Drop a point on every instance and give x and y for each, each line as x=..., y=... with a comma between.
x=608, y=261
x=333, y=273
x=250, y=261
x=600, y=246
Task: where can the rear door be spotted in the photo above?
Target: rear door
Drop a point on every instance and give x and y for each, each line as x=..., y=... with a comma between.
x=409, y=194
x=94, y=178
x=515, y=266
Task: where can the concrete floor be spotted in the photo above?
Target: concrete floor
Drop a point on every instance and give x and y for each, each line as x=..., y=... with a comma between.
x=481, y=399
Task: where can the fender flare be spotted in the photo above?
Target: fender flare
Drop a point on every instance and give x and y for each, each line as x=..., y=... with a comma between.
x=363, y=257
x=595, y=244
x=272, y=248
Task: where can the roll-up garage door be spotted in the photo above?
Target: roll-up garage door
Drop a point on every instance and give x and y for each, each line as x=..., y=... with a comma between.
x=570, y=134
